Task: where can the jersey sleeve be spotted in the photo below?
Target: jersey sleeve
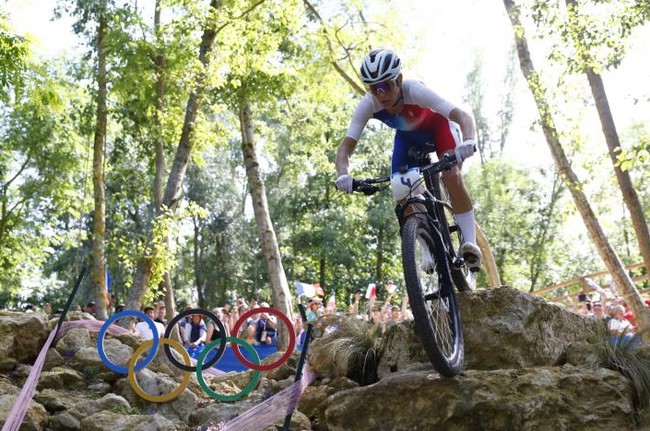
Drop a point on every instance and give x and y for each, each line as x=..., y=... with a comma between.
x=360, y=118
x=425, y=97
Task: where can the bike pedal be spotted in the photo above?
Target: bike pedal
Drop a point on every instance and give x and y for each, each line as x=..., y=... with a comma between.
x=474, y=269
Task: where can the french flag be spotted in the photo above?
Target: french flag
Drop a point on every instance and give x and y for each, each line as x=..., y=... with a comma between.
x=371, y=292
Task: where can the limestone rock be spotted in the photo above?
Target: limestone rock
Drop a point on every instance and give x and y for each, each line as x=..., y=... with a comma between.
x=564, y=398
x=64, y=422
x=22, y=335
x=60, y=377
x=109, y=421
x=35, y=418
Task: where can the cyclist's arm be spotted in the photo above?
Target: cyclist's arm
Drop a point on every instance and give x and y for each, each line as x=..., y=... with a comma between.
x=343, y=154
x=465, y=121
x=424, y=96
x=362, y=114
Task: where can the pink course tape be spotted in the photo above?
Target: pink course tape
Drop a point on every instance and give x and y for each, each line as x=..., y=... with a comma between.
x=259, y=417
x=19, y=409
x=271, y=410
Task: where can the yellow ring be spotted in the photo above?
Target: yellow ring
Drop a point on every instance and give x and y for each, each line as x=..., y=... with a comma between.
x=160, y=398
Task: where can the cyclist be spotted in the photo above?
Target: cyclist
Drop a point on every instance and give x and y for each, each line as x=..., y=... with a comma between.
x=421, y=117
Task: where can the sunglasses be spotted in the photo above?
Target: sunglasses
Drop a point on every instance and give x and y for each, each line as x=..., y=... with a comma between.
x=380, y=87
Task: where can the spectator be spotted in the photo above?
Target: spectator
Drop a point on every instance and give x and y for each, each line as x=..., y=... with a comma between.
x=375, y=315
x=195, y=332
x=182, y=326
x=356, y=304
x=91, y=308
x=119, y=308
x=160, y=313
x=265, y=332
x=629, y=315
x=313, y=309
x=618, y=324
x=47, y=309
x=145, y=330
x=395, y=316
x=601, y=293
x=234, y=317
x=599, y=312
x=29, y=308
x=213, y=330
x=250, y=335
x=241, y=302
x=254, y=302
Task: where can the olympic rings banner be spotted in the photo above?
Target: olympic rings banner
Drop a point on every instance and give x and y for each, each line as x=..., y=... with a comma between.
x=169, y=343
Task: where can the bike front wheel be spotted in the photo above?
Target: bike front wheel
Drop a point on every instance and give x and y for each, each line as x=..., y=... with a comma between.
x=431, y=295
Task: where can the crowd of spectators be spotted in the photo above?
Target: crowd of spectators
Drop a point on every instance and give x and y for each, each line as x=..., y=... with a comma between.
x=262, y=328
x=605, y=305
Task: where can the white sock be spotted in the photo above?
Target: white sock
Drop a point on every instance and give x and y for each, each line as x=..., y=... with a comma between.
x=467, y=225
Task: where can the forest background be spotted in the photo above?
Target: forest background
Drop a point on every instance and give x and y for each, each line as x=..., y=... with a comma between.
x=189, y=153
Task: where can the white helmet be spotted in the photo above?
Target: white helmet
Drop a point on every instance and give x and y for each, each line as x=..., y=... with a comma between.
x=380, y=65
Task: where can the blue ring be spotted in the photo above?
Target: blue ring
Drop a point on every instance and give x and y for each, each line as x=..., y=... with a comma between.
x=102, y=332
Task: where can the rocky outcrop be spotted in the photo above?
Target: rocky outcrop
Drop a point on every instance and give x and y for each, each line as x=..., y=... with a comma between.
x=21, y=337
x=551, y=398
x=505, y=328
x=529, y=366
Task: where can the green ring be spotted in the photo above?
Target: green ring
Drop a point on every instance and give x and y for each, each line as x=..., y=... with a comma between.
x=249, y=387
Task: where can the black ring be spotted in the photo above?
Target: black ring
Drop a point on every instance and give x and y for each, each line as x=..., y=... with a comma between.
x=220, y=350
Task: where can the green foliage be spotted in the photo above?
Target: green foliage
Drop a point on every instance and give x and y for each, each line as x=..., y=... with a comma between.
x=278, y=56
x=592, y=34
x=637, y=155
x=521, y=217
x=41, y=153
x=13, y=60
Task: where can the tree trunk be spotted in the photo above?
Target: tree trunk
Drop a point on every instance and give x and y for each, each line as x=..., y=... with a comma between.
x=630, y=196
x=198, y=273
x=596, y=234
x=159, y=61
x=177, y=174
x=268, y=240
x=99, y=220
x=489, y=263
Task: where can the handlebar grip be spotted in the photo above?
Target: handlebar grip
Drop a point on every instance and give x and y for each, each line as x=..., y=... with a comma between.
x=365, y=188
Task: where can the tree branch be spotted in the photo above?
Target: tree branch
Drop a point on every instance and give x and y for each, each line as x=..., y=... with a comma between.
x=356, y=87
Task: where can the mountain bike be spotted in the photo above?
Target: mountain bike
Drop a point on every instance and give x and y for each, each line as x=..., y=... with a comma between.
x=430, y=259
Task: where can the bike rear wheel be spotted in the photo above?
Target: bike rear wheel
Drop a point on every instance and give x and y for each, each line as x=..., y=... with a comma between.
x=432, y=297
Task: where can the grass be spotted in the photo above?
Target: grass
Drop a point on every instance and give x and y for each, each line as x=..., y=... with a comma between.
x=623, y=356
x=352, y=350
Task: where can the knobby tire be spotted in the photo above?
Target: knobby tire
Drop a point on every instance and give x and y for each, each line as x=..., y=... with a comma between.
x=432, y=297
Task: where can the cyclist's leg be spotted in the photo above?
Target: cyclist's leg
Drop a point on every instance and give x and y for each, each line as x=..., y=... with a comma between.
x=446, y=136
x=405, y=142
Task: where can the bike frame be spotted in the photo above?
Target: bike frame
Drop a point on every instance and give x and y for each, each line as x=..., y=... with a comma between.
x=429, y=207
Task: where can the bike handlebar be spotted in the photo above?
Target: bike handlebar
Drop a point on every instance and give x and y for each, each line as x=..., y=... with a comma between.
x=368, y=186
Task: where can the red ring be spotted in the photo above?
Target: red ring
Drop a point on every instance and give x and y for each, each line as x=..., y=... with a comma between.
x=287, y=354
